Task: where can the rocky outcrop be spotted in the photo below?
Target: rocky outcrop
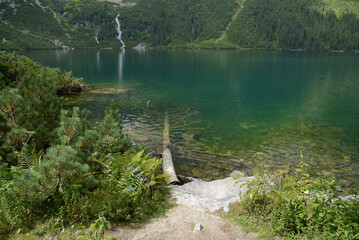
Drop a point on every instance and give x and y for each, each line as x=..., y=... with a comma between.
x=211, y=196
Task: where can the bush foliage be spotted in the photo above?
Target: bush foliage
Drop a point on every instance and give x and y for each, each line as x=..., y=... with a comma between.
x=58, y=168
x=299, y=207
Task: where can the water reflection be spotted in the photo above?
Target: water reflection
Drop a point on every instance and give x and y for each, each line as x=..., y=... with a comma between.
x=277, y=104
x=98, y=59
x=121, y=58
x=60, y=55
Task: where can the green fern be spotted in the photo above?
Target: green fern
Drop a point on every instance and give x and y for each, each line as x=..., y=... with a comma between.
x=36, y=158
x=24, y=159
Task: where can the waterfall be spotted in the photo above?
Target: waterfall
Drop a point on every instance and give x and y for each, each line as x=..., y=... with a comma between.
x=96, y=37
x=118, y=28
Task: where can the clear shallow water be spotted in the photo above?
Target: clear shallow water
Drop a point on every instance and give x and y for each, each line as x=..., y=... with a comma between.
x=230, y=109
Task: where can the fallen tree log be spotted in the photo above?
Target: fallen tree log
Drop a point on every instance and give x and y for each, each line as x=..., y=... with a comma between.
x=167, y=163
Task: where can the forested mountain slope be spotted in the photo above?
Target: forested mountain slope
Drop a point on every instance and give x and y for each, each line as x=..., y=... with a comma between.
x=56, y=23
x=274, y=24
x=313, y=24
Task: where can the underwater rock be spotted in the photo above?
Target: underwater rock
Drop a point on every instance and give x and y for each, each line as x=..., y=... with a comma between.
x=345, y=183
x=141, y=138
x=196, y=137
x=326, y=173
x=188, y=138
x=283, y=171
x=244, y=125
x=108, y=91
x=79, y=99
x=75, y=88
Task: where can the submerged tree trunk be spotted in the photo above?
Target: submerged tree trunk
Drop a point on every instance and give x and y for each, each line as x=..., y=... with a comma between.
x=167, y=164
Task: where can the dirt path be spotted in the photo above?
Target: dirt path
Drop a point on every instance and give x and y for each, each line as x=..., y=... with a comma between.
x=197, y=203
x=233, y=19
x=179, y=222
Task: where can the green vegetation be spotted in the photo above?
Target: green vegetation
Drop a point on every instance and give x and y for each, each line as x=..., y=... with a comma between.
x=14, y=40
x=297, y=207
x=15, y=67
x=314, y=24
x=294, y=25
x=82, y=20
x=174, y=23
x=68, y=23
x=56, y=168
x=96, y=231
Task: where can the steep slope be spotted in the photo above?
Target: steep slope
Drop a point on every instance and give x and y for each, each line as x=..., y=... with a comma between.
x=70, y=23
x=304, y=24
x=16, y=39
x=22, y=25
x=287, y=24
x=175, y=23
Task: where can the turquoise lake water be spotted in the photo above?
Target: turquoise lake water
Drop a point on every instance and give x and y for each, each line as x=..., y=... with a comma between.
x=229, y=109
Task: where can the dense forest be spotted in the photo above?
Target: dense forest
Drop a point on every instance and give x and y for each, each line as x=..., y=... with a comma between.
x=294, y=25
x=277, y=24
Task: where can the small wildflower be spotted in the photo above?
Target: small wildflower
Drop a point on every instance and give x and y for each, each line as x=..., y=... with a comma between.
x=123, y=168
x=308, y=201
x=41, y=191
x=104, y=219
x=26, y=175
x=331, y=190
x=145, y=179
x=141, y=172
x=130, y=188
x=63, y=230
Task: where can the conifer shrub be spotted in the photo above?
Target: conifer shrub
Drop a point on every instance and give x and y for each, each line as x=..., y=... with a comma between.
x=30, y=114
x=13, y=67
x=59, y=169
x=29, y=105
x=77, y=179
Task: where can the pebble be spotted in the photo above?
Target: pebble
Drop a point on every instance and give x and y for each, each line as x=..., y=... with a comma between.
x=197, y=228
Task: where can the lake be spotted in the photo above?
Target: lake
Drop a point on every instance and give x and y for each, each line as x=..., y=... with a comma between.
x=229, y=109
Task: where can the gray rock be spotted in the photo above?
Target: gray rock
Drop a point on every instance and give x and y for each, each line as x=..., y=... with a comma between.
x=210, y=196
x=350, y=197
x=197, y=228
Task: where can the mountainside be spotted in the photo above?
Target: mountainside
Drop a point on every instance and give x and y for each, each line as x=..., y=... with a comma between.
x=52, y=24
x=275, y=24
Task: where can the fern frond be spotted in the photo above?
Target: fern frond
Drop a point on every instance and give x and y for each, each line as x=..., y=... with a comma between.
x=36, y=158
x=24, y=160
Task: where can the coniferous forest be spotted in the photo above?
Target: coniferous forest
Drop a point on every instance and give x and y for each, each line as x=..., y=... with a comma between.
x=258, y=24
